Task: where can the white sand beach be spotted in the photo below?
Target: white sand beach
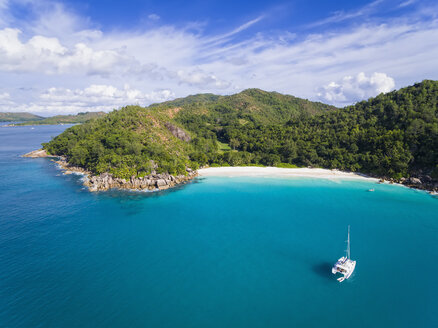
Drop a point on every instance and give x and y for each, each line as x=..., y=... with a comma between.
x=253, y=171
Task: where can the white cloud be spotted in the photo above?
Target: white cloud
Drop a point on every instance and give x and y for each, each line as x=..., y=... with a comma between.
x=47, y=55
x=5, y=100
x=353, y=88
x=60, y=49
x=52, y=19
x=4, y=14
x=201, y=79
x=407, y=3
x=154, y=17
x=102, y=97
x=243, y=27
x=4, y=96
x=93, y=98
x=341, y=16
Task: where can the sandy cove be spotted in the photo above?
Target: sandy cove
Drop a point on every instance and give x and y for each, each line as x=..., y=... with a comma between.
x=254, y=171
x=317, y=173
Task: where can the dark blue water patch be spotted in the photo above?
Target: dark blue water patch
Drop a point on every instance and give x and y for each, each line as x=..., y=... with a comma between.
x=217, y=252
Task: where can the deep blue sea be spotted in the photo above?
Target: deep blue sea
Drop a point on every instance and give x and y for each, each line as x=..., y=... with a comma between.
x=217, y=252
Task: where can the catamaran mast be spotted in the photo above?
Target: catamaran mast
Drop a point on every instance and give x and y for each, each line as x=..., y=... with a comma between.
x=348, y=243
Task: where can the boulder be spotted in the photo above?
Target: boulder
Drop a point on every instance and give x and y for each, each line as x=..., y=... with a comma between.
x=415, y=181
x=161, y=183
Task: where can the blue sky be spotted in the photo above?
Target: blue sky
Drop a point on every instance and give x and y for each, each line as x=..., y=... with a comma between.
x=71, y=56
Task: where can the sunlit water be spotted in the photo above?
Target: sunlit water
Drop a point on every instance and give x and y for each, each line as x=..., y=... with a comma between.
x=218, y=252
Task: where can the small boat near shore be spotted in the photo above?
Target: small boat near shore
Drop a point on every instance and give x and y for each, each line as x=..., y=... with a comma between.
x=345, y=265
x=372, y=189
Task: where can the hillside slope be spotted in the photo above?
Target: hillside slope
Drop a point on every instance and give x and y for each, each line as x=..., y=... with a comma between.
x=64, y=119
x=251, y=105
x=19, y=117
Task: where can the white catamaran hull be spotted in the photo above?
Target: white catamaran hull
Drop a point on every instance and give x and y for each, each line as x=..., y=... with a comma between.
x=346, y=271
x=345, y=265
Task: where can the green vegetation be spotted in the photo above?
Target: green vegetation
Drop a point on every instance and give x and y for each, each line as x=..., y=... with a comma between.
x=392, y=135
x=64, y=119
x=19, y=117
x=223, y=146
x=128, y=142
x=287, y=165
x=251, y=106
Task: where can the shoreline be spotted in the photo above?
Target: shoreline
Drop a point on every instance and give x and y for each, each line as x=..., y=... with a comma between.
x=161, y=181
x=317, y=173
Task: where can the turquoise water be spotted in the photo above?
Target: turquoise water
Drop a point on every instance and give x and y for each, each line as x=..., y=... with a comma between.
x=218, y=252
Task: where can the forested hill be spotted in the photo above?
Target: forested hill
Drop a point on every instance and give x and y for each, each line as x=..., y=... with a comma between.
x=64, y=119
x=251, y=105
x=392, y=135
x=18, y=117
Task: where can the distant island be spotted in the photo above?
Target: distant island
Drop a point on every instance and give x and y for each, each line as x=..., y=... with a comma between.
x=19, y=117
x=58, y=119
x=393, y=136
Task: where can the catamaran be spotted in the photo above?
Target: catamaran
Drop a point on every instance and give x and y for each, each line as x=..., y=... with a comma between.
x=345, y=265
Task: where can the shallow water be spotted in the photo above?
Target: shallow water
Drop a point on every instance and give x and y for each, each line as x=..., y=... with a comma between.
x=218, y=252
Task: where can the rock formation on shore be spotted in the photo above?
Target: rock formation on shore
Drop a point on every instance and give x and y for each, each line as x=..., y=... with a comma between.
x=106, y=181
x=37, y=154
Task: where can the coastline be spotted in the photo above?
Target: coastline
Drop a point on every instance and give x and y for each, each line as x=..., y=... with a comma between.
x=156, y=181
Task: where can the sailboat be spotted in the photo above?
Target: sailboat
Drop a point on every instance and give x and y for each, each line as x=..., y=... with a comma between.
x=345, y=265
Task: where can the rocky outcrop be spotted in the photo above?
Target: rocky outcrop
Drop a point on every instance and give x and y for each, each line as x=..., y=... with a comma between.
x=178, y=132
x=106, y=181
x=37, y=154
x=423, y=182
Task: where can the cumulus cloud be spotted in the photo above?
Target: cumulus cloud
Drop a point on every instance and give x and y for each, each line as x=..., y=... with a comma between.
x=202, y=79
x=47, y=55
x=96, y=97
x=5, y=100
x=101, y=97
x=104, y=94
x=354, y=88
x=4, y=95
